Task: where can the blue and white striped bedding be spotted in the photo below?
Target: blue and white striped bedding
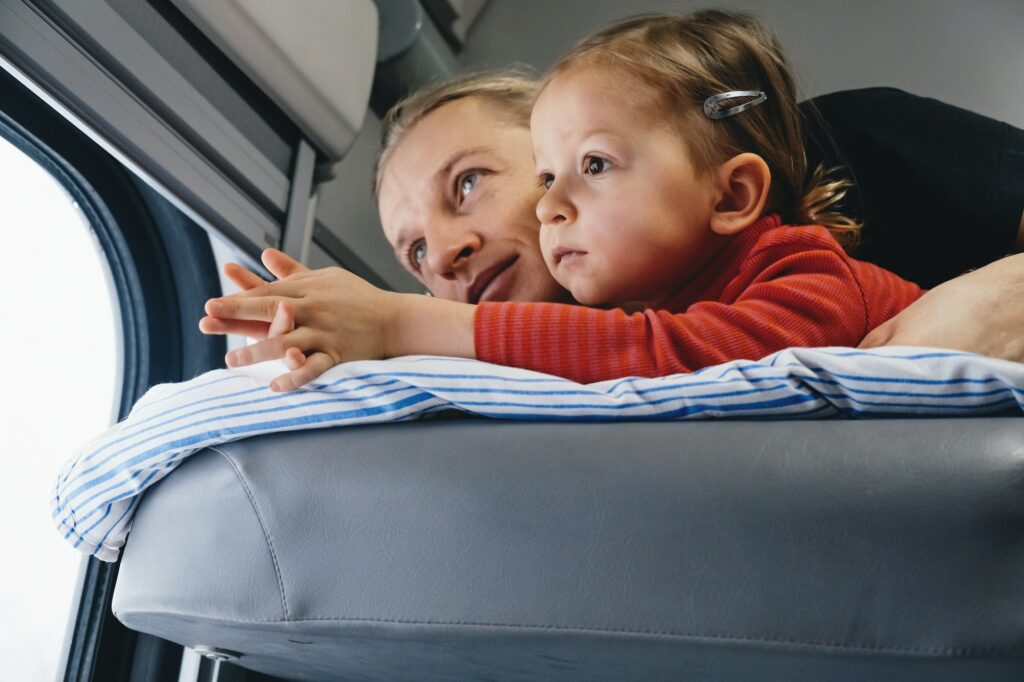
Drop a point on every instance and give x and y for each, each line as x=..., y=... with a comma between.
x=97, y=491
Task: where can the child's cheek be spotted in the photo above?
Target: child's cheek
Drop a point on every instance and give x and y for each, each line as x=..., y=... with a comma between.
x=546, y=246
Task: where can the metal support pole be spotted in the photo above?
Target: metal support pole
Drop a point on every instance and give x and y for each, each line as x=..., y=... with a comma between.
x=203, y=664
x=298, y=226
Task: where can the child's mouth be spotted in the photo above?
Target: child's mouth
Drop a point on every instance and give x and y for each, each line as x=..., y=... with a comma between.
x=565, y=256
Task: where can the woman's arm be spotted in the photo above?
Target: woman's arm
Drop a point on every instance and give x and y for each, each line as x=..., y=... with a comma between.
x=980, y=312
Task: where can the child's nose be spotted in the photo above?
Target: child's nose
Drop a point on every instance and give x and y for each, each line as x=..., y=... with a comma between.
x=554, y=208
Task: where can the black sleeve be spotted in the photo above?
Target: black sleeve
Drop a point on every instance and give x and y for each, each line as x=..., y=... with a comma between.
x=940, y=189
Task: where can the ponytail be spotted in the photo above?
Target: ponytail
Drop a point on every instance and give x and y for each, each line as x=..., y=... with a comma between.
x=821, y=194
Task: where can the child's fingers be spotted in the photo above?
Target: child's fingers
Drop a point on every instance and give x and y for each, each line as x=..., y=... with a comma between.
x=316, y=364
x=284, y=320
x=294, y=358
x=271, y=349
x=216, y=325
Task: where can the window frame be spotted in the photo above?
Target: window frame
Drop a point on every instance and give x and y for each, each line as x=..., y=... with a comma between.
x=162, y=269
x=242, y=196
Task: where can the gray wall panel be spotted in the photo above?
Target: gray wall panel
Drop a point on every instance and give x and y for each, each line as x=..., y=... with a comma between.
x=347, y=208
x=970, y=54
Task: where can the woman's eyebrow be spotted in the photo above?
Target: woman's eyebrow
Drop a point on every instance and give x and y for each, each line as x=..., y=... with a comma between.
x=446, y=168
x=399, y=249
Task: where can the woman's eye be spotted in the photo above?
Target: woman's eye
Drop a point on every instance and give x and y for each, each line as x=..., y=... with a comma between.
x=596, y=165
x=417, y=253
x=466, y=183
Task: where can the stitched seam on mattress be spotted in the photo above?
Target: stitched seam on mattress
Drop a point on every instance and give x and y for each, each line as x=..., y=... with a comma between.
x=263, y=527
x=657, y=633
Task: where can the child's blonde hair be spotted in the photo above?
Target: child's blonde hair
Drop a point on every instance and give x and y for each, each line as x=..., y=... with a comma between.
x=511, y=90
x=689, y=58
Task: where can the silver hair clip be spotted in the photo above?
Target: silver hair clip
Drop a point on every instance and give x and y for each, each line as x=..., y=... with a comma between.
x=714, y=110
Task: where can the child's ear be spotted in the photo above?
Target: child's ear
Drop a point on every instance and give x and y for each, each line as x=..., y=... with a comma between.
x=743, y=182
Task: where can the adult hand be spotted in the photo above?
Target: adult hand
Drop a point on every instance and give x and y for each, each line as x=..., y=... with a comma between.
x=334, y=316
x=980, y=312
x=282, y=266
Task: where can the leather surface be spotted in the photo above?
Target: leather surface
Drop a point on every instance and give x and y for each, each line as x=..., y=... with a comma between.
x=472, y=549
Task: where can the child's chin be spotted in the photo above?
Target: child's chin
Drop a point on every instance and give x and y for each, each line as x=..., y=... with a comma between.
x=579, y=296
x=588, y=298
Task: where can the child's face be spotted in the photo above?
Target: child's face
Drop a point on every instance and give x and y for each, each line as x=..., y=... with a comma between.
x=626, y=217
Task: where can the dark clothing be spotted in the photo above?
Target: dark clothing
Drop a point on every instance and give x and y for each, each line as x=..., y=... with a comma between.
x=940, y=189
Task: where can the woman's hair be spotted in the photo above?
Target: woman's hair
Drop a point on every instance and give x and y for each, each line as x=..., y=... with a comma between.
x=687, y=59
x=512, y=91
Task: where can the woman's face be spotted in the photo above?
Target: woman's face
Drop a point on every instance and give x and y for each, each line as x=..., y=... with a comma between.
x=457, y=202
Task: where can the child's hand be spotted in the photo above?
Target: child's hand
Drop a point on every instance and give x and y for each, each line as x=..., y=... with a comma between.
x=328, y=316
x=284, y=322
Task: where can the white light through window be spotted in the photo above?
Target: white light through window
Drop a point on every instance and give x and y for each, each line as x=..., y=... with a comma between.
x=60, y=343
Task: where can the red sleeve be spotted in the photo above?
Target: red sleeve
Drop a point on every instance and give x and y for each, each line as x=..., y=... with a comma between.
x=784, y=295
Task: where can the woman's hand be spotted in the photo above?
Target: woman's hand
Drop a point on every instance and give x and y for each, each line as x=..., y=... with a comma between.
x=282, y=266
x=980, y=312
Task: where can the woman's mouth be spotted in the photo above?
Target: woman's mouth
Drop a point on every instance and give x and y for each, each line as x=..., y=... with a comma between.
x=494, y=283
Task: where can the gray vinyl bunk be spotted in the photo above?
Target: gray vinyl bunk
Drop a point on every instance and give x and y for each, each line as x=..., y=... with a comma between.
x=473, y=549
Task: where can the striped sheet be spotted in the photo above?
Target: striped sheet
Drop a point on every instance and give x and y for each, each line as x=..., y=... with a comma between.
x=97, y=491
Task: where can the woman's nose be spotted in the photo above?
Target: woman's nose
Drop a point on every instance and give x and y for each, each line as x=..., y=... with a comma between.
x=448, y=251
x=554, y=207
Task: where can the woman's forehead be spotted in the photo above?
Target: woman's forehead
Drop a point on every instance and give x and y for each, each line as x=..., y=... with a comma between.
x=416, y=176
x=450, y=130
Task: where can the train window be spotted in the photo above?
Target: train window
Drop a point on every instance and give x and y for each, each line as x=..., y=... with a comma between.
x=105, y=281
x=61, y=343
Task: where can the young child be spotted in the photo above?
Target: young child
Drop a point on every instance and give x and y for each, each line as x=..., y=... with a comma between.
x=670, y=149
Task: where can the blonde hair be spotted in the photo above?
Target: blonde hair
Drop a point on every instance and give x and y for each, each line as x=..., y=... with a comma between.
x=689, y=58
x=513, y=92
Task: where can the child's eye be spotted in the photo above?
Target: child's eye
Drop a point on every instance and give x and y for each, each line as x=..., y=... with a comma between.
x=417, y=253
x=595, y=165
x=545, y=180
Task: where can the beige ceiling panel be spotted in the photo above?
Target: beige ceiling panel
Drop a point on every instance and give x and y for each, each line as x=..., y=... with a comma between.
x=315, y=58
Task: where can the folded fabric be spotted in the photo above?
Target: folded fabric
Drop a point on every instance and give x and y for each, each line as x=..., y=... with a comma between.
x=97, y=491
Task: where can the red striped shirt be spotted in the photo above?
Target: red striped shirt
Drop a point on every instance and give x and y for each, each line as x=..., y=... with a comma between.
x=771, y=288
